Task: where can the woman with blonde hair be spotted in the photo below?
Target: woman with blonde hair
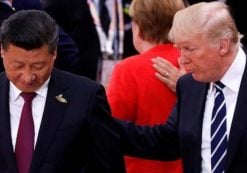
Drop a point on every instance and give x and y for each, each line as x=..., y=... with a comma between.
x=134, y=93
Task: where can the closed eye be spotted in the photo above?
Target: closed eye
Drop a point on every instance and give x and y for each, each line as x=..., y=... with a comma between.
x=38, y=66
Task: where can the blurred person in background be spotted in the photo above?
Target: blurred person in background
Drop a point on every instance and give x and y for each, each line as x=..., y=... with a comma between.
x=134, y=93
x=6, y=10
x=74, y=17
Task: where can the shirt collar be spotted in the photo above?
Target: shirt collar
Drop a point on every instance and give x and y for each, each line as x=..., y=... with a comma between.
x=233, y=76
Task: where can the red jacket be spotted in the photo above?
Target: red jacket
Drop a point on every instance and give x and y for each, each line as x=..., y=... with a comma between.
x=135, y=94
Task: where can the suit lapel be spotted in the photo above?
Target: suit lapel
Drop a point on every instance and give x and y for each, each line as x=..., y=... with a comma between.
x=198, y=108
x=239, y=121
x=53, y=114
x=6, y=147
x=192, y=119
x=197, y=111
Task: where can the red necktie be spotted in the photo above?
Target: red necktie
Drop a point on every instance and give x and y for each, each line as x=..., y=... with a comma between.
x=25, y=137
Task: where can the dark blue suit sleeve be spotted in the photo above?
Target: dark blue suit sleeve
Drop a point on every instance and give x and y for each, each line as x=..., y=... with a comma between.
x=158, y=142
x=105, y=140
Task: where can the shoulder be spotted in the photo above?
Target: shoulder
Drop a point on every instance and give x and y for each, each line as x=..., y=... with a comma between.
x=187, y=85
x=135, y=62
x=63, y=78
x=129, y=60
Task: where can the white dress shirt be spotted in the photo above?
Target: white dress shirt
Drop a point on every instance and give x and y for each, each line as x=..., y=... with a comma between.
x=16, y=103
x=231, y=80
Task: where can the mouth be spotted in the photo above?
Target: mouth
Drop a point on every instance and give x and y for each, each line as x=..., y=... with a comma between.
x=27, y=84
x=188, y=70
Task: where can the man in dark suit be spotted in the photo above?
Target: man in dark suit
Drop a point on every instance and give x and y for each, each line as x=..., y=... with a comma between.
x=72, y=128
x=209, y=42
x=5, y=11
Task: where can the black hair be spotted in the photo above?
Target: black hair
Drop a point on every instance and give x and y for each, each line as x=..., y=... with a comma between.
x=29, y=29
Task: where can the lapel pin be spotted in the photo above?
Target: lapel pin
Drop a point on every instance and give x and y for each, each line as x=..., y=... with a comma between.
x=61, y=99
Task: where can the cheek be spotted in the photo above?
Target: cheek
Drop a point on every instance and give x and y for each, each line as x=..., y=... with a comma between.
x=12, y=73
x=44, y=73
x=14, y=76
x=208, y=68
x=202, y=60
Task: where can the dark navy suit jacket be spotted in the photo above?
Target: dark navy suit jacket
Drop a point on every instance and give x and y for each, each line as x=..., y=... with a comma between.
x=74, y=137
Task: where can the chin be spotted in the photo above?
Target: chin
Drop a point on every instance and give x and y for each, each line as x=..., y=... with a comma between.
x=27, y=88
x=198, y=78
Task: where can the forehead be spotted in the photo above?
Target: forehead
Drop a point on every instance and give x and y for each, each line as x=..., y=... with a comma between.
x=17, y=54
x=192, y=40
x=14, y=50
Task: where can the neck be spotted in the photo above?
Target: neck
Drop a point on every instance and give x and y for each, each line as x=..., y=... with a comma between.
x=145, y=45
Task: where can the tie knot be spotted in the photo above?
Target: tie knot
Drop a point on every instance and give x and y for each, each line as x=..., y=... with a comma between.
x=219, y=85
x=28, y=97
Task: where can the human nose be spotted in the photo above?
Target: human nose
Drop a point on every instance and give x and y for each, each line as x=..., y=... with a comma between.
x=184, y=60
x=28, y=75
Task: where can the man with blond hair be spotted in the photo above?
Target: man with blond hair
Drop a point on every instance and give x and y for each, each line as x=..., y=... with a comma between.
x=207, y=128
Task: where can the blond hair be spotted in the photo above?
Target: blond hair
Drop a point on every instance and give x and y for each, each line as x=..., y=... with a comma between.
x=210, y=19
x=154, y=17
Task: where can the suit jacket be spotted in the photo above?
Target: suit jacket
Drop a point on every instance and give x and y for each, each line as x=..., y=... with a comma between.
x=74, y=137
x=181, y=135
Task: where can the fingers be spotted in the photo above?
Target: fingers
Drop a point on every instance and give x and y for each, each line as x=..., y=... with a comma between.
x=161, y=62
x=170, y=83
x=165, y=67
x=167, y=73
x=162, y=66
x=161, y=70
x=181, y=66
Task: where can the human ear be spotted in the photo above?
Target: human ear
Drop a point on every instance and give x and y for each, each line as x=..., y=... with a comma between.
x=55, y=54
x=224, y=46
x=2, y=51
